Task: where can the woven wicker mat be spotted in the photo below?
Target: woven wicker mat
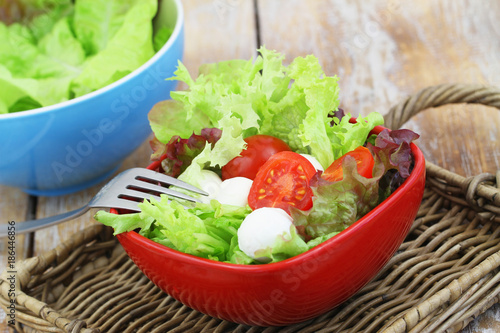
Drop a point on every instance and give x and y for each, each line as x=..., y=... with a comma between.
x=444, y=274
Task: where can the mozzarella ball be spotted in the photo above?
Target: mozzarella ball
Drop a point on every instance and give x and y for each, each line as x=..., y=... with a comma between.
x=314, y=162
x=209, y=182
x=234, y=191
x=260, y=229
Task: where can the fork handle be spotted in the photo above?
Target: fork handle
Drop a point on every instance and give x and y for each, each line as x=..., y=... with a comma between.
x=32, y=225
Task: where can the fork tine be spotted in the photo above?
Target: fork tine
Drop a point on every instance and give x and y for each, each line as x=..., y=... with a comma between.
x=119, y=203
x=162, y=178
x=138, y=194
x=160, y=189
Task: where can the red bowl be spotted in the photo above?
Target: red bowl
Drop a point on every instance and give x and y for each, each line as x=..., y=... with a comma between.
x=295, y=289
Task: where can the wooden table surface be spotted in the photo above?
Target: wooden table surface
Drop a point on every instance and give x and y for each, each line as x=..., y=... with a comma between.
x=383, y=51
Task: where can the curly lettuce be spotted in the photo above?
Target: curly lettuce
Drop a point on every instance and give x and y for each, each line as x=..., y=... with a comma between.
x=203, y=230
x=295, y=103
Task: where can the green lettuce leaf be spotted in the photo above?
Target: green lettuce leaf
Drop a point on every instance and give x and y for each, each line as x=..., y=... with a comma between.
x=285, y=246
x=15, y=91
x=124, y=222
x=320, y=239
x=18, y=50
x=229, y=145
x=204, y=230
x=60, y=49
x=128, y=45
x=263, y=96
x=62, y=46
x=168, y=119
x=161, y=37
x=47, y=67
x=24, y=103
x=346, y=136
x=96, y=22
x=44, y=14
x=215, y=83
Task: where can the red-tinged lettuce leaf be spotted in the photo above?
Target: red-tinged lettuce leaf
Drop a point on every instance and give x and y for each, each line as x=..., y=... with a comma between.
x=159, y=149
x=336, y=116
x=392, y=151
x=393, y=159
x=177, y=154
x=337, y=205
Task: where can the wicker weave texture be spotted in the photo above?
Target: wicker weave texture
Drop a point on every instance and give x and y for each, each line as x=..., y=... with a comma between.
x=445, y=274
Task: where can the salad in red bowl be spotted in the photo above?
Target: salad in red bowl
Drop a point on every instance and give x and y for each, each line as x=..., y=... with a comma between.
x=303, y=198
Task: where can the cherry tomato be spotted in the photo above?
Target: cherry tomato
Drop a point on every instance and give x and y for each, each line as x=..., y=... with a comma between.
x=259, y=148
x=282, y=182
x=364, y=160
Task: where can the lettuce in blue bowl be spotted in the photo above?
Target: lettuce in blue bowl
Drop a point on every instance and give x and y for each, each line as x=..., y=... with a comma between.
x=78, y=80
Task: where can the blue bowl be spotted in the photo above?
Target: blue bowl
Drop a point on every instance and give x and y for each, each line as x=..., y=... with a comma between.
x=73, y=145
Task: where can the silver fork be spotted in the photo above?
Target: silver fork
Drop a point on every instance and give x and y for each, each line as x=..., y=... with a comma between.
x=124, y=191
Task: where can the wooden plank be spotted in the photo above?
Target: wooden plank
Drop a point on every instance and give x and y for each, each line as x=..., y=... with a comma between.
x=489, y=322
x=218, y=30
x=385, y=50
x=462, y=138
x=13, y=207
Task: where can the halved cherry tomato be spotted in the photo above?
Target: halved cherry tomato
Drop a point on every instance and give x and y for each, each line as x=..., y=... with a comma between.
x=282, y=182
x=259, y=148
x=364, y=160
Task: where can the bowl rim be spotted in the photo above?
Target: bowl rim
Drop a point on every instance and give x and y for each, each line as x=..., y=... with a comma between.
x=418, y=169
x=173, y=37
